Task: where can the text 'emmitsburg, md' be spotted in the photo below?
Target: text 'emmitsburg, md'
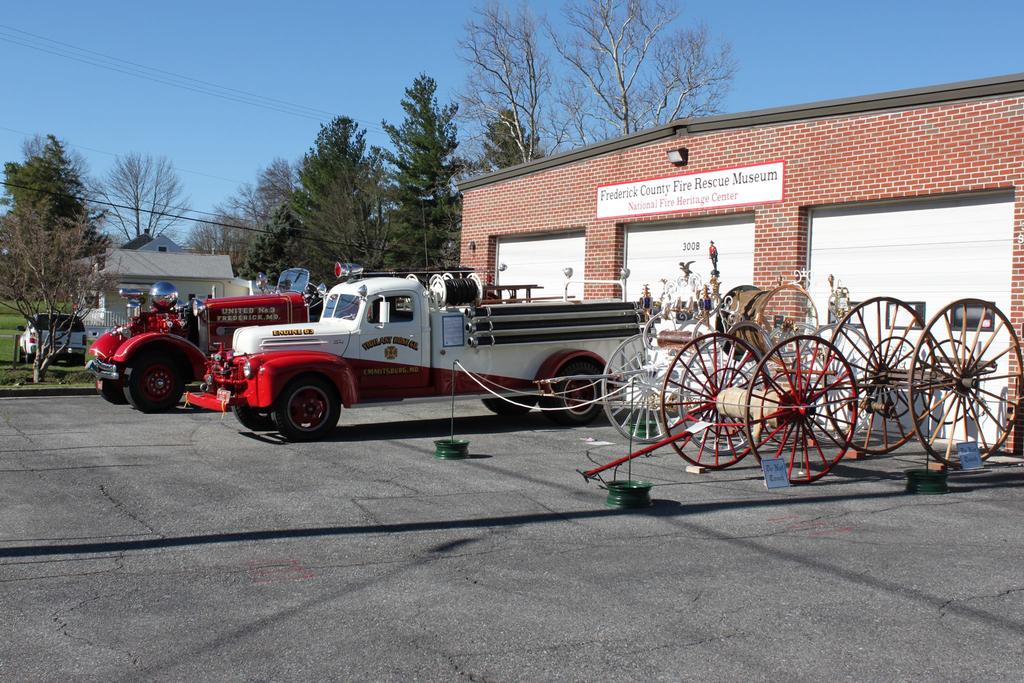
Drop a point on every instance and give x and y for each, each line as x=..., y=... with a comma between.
x=738, y=186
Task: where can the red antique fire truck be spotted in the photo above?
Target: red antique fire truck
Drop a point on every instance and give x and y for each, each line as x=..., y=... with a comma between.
x=148, y=361
x=386, y=339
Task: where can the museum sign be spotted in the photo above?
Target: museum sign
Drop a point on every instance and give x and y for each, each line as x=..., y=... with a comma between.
x=724, y=187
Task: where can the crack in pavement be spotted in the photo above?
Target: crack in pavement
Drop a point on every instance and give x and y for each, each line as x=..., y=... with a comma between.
x=970, y=598
x=123, y=509
x=59, y=618
x=94, y=447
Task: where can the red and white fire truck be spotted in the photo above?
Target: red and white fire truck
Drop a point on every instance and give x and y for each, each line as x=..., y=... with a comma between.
x=387, y=339
x=148, y=361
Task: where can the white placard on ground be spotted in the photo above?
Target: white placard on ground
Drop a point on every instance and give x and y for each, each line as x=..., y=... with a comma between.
x=776, y=475
x=970, y=458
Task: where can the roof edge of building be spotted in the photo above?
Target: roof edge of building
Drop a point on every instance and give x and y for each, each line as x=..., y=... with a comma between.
x=896, y=99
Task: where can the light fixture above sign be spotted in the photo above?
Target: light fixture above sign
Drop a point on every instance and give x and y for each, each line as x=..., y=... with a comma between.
x=678, y=157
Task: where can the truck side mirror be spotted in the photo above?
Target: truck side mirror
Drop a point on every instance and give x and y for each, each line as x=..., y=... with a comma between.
x=385, y=312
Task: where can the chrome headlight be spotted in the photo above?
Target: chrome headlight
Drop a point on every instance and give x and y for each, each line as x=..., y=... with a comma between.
x=247, y=369
x=198, y=307
x=164, y=295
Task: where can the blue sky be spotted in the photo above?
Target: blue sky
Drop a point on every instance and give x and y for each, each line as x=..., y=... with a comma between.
x=357, y=58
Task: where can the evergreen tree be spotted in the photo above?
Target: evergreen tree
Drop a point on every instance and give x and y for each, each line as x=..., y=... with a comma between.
x=341, y=199
x=277, y=248
x=428, y=210
x=49, y=185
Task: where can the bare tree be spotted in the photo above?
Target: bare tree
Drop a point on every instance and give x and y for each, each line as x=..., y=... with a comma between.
x=225, y=234
x=243, y=214
x=254, y=204
x=634, y=69
x=49, y=267
x=144, y=194
x=508, y=88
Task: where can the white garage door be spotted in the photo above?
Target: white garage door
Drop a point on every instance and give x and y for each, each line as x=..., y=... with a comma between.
x=930, y=252
x=540, y=261
x=653, y=252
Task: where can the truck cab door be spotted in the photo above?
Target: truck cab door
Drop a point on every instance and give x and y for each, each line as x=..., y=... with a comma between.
x=393, y=354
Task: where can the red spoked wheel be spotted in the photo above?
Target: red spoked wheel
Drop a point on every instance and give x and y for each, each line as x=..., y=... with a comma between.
x=157, y=381
x=307, y=409
x=707, y=382
x=877, y=337
x=802, y=406
x=153, y=383
x=964, y=380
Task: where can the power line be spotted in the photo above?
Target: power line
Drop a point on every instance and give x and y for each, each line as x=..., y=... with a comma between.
x=114, y=154
x=164, y=77
x=162, y=71
x=177, y=216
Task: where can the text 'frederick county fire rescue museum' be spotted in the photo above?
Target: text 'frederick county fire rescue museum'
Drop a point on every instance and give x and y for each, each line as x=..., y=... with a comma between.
x=917, y=194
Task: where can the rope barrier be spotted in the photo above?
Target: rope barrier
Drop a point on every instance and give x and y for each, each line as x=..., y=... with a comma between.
x=575, y=406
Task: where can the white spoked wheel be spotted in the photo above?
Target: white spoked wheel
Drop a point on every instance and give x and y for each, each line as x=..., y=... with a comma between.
x=632, y=390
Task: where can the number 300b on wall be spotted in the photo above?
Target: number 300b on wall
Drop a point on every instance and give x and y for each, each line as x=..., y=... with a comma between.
x=691, y=246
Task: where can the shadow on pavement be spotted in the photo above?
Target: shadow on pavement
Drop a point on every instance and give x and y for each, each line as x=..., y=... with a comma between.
x=659, y=508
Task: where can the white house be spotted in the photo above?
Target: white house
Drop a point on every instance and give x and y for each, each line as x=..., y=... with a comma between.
x=195, y=276
x=146, y=242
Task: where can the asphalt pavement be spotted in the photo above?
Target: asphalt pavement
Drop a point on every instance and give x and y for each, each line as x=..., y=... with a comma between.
x=179, y=547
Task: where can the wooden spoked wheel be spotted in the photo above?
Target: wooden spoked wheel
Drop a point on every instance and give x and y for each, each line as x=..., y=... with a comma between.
x=705, y=376
x=753, y=334
x=784, y=311
x=632, y=390
x=802, y=406
x=734, y=303
x=965, y=376
x=878, y=337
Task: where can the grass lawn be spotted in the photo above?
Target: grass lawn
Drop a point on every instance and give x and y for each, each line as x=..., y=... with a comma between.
x=9, y=321
x=60, y=373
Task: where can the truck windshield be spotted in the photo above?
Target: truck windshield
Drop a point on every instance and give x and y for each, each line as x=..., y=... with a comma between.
x=347, y=307
x=293, y=280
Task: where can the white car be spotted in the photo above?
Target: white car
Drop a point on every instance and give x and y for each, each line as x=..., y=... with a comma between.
x=37, y=329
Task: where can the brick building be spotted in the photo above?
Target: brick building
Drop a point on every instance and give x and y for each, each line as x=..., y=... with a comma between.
x=917, y=194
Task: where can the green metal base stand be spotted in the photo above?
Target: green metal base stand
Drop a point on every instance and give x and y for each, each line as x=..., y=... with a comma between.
x=451, y=449
x=629, y=493
x=926, y=482
x=640, y=430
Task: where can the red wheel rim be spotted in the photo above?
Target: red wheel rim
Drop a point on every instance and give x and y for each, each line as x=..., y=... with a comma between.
x=307, y=408
x=702, y=369
x=578, y=391
x=807, y=395
x=157, y=382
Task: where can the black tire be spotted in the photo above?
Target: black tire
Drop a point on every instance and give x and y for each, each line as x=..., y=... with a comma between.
x=583, y=416
x=307, y=410
x=112, y=391
x=253, y=419
x=153, y=382
x=501, y=407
